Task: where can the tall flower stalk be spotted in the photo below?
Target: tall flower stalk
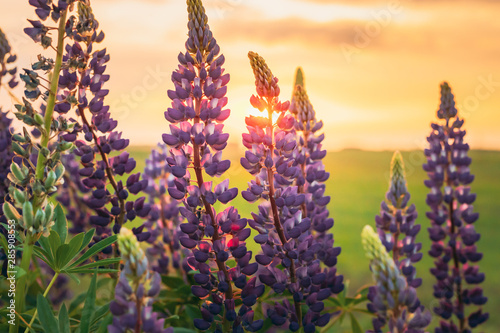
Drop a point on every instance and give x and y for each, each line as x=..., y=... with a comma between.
x=284, y=234
x=397, y=232
x=196, y=140
x=39, y=172
x=452, y=222
x=396, y=302
x=95, y=183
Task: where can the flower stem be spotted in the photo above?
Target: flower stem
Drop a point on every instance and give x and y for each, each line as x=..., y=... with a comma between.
x=51, y=100
x=44, y=295
x=21, y=282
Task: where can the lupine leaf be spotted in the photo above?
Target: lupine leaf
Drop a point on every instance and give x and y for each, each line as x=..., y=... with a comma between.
x=54, y=241
x=103, y=327
x=64, y=320
x=61, y=224
x=355, y=326
x=88, y=308
x=76, y=303
x=87, y=239
x=94, y=250
x=99, y=314
x=73, y=248
x=45, y=315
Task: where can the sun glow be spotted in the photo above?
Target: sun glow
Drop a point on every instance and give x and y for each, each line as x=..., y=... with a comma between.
x=256, y=113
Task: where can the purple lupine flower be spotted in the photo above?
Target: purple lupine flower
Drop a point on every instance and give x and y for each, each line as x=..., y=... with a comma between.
x=196, y=140
x=397, y=232
x=82, y=88
x=163, y=224
x=396, y=223
x=7, y=58
x=392, y=299
x=284, y=234
x=311, y=180
x=452, y=222
x=132, y=307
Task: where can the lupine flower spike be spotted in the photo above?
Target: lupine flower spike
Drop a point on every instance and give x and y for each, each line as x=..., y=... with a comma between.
x=284, y=234
x=452, y=222
x=196, y=140
x=397, y=231
x=132, y=308
x=311, y=180
x=163, y=224
x=82, y=88
x=392, y=299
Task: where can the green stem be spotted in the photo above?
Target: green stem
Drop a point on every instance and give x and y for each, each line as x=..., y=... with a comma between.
x=44, y=295
x=21, y=282
x=51, y=100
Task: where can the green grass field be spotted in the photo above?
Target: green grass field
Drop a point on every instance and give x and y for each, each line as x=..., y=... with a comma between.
x=358, y=182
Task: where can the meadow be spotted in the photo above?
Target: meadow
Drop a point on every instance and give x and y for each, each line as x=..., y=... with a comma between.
x=357, y=184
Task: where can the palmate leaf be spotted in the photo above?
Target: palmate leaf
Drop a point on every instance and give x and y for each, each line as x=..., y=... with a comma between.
x=355, y=326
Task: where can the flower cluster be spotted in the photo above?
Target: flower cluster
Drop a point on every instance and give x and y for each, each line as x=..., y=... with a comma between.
x=311, y=180
x=82, y=88
x=284, y=233
x=394, y=301
x=163, y=224
x=397, y=220
x=452, y=222
x=7, y=58
x=132, y=308
x=196, y=140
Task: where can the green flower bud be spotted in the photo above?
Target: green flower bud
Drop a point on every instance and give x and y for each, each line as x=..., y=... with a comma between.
x=39, y=220
x=19, y=138
x=28, y=214
x=50, y=180
x=38, y=119
x=16, y=147
x=59, y=170
x=11, y=212
x=19, y=197
x=17, y=172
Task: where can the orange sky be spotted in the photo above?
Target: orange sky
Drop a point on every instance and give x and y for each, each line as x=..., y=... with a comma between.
x=373, y=68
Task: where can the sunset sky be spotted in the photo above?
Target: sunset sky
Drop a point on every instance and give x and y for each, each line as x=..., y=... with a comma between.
x=373, y=68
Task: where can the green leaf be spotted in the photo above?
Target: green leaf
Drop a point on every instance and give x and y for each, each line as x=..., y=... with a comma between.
x=103, y=262
x=99, y=313
x=103, y=327
x=44, y=243
x=86, y=240
x=355, y=326
x=45, y=315
x=96, y=248
x=43, y=255
x=183, y=330
x=61, y=224
x=64, y=320
x=54, y=241
x=88, y=308
x=78, y=270
x=172, y=282
x=72, y=250
x=76, y=302
x=4, y=244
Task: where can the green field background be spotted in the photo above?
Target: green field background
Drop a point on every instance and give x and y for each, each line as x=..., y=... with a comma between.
x=358, y=182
